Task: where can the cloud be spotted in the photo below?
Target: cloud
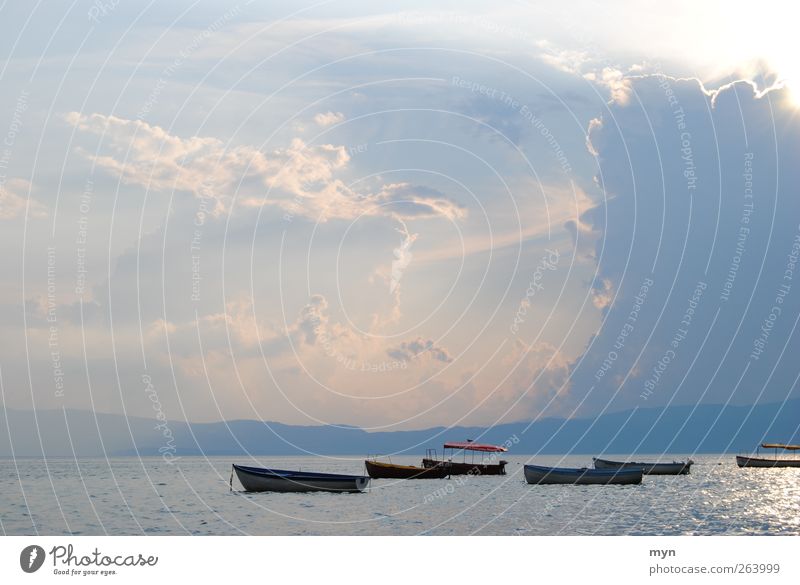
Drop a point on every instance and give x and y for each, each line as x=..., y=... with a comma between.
x=204, y=166
x=699, y=234
x=402, y=259
x=14, y=205
x=239, y=329
x=602, y=293
x=563, y=59
x=313, y=319
x=299, y=179
x=594, y=124
x=615, y=81
x=402, y=256
x=613, y=78
x=537, y=384
x=411, y=201
x=414, y=349
x=584, y=235
x=328, y=118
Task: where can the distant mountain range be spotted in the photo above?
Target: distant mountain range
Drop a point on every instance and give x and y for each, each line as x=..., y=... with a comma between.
x=675, y=429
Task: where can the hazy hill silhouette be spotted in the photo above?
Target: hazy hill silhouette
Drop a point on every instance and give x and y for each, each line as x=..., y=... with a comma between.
x=676, y=429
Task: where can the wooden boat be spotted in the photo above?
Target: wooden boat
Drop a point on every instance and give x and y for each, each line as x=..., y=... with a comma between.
x=379, y=470
x=536, y=474
x=747, y=461
x=257, y=479
x=776, y=461
x=464, y=467
x=674, y=468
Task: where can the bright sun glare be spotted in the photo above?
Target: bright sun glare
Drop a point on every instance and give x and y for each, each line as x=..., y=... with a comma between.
x=771, y=37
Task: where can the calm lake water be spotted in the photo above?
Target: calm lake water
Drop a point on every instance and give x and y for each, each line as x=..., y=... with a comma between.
x=191, y=496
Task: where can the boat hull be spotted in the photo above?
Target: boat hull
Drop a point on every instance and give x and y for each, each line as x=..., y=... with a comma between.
x=455, y=468
x=674, y=468
x=743, y=461
x=535, y=474
x=378, y=470
x=256, y=479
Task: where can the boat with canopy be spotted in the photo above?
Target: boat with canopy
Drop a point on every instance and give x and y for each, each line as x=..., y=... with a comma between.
x=776, y=461
x=486, y=464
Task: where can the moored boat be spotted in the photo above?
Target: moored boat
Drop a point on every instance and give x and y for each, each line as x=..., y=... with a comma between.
x=537, y=474
x=380, y=470
x=674, y=468
x=747, y=461
x=464, y=467
x=259, y=479
x=776, y=461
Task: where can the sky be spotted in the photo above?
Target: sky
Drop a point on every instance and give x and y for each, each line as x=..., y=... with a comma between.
x=341, y=213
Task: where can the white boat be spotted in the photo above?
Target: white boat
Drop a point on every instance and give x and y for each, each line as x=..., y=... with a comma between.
x=537, y=474
x=674, y=468
x=259, y=479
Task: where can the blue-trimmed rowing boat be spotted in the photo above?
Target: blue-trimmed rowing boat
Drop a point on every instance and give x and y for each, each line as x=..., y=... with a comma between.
x=259, y=479
x=674, y=468
x=536, y=474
